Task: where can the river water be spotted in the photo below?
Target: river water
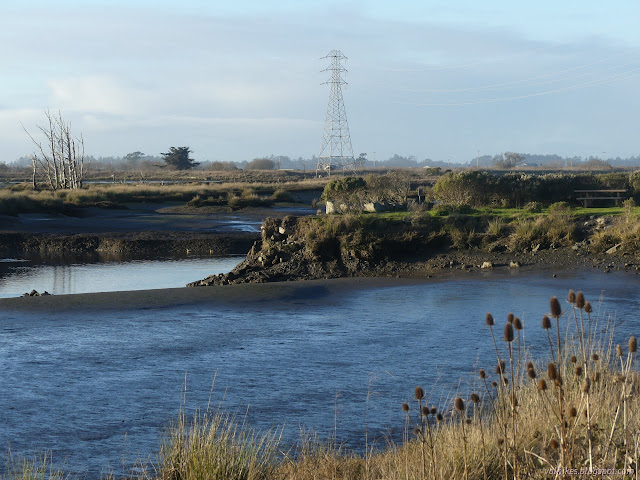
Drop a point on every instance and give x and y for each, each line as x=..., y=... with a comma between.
x=98, y=388
x=18, y=276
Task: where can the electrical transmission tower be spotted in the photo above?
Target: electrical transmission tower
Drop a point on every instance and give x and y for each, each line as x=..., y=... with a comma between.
x=336, y=151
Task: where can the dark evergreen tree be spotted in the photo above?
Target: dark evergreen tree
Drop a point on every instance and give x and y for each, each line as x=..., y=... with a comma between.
x=178, y=157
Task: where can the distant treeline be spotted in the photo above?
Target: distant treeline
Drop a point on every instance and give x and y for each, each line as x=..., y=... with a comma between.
x=138, y=161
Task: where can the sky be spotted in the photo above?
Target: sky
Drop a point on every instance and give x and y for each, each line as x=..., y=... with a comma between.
x=236, y=80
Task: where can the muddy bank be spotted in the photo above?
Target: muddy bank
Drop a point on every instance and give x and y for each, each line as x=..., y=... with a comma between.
x=134, y=244
x=297, y=249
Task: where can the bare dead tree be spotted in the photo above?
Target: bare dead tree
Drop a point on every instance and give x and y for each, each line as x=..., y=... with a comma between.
x=61, y=157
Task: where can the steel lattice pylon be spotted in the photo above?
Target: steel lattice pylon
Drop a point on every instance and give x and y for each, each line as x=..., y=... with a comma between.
x=336, y=151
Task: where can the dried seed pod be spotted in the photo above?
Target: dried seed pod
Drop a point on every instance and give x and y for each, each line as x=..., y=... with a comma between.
x=554, y=303
x=595, y=357
x=618, y=351
x=494, y=384
x=552, y=371
x=514, y=399
x=459, y=404
x=489, y=319
x=425, y=411
x=595, y=377
x=633, y=345
x=416, y=431
x=574, y=359
x=542, y=385
x=439, y=417
x=510, y=317
x=580, y=300
x=475, y=398
x=529, y=364
x=531, y=373
x=517, y=323
x=571, y=297
x=419, y=393
x=578, y=370
x=501, y=367
x=508, y=332
x=588, y=308
x=433, y=410
x=505, y=380
x=483, y=374
x=501, y=441
x=573, y=412
x=586, y=385
x=546, y=322
x=405, y=407
x=558, y=381
x=554, y=444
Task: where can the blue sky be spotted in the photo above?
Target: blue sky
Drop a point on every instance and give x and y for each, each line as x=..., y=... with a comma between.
x=237, y=80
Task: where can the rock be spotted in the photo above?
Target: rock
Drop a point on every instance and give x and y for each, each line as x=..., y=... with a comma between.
x=282, y=230
x=535, y=249
x=613, y=249
x=515, y=264
x=34, y=293
x=486, y=265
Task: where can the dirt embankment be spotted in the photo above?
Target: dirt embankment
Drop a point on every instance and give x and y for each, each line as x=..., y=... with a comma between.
x=152, y=244
x=304, y=249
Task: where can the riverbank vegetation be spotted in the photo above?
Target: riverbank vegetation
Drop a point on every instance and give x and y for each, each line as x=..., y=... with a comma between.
x=573, y=408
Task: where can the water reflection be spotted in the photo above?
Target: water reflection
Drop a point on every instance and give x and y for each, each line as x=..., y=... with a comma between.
x=19, y=276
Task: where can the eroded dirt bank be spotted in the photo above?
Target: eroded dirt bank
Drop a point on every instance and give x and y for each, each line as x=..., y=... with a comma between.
x=296, y=249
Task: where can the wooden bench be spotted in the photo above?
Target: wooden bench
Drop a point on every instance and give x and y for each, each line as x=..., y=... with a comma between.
x=588, y=196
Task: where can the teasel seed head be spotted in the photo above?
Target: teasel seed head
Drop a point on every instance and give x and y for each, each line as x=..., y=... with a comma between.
x=508, y=332
x=633, y=345
x=571, y=297
x=558, y=381
x=574, y=359
x=483, y=374
x=517, y=323
x=416, y=431
x=494, y=384
x=475, y=398
x=595, y=377
x=468, y=421
x=489, y=319
x=434, y=410
x=586, y=385
x=459, y=404
x=580, y=300
x=529, y=364
x=510, y=317
x=573, y=412
x=595, y=357
x=505, y=380
x=439, y=417
x=554, y=444
x=542, y=385
x=405, y=407
x=546, y=322
x=501, y=441
x=618, y=351
x=578, y=370
x=425, y=411
x=588, y=308
x=532, y=373
x=556, y=311
x=500, y=368
x=419, y=393
x=552, y=371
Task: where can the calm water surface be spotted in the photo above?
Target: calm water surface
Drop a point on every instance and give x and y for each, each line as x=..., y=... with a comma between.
x=98, y=388
x=19, y=276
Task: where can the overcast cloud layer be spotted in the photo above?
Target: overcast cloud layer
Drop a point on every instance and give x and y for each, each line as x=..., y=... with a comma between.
x=242, y=79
